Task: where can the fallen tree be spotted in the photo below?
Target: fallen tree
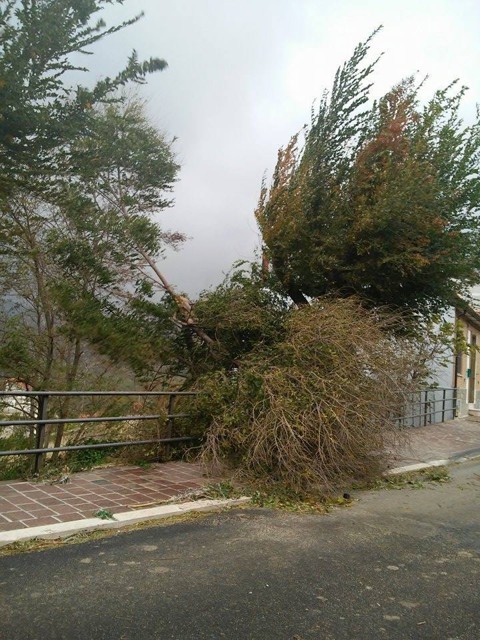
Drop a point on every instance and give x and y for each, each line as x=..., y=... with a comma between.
x=316, y=407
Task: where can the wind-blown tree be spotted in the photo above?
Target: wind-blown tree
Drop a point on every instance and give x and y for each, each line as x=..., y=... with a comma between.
x=41, y=112
x=43, y=116
x=381, y=202
x=71, y=267
x=125, y=171
x=49, y=129
x=85, y=252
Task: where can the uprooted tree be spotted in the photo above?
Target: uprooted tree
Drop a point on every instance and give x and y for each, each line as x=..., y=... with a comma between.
x=317, y=406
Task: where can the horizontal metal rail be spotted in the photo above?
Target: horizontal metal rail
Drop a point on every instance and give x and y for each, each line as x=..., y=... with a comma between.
x=433, y=389
x=427, y=400
x=427, y=413
x=15, y=423
x=41, y=421
x=100, y=445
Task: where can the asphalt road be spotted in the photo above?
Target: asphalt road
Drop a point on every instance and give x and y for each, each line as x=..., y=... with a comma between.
x=397, y=565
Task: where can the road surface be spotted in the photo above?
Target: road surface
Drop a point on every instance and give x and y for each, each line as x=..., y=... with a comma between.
x=395, y=565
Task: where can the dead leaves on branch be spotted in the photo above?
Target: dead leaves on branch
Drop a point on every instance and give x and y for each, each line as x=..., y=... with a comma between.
x=315, y=408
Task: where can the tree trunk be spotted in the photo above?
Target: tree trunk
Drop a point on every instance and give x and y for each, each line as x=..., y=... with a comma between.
x=70, y=381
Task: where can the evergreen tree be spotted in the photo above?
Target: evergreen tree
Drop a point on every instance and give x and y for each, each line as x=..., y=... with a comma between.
x=40, y=112
x=72, y=270
x=380, y=202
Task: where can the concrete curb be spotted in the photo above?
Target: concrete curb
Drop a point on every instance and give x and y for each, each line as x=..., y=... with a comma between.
x=416, y=467
x=64, y=529
x=460, y=456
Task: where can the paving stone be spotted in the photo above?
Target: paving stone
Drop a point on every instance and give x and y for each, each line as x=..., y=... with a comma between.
x=11, y=526
x=113, y=488
x=40, y=522
x=72, y=516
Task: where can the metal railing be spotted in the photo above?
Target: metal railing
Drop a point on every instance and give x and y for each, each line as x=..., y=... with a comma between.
x=430, y=406
x=41, y=420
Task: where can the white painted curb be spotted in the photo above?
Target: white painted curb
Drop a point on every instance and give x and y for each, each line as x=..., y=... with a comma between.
x=416, y=467
x=64, y=529
x=434, y=463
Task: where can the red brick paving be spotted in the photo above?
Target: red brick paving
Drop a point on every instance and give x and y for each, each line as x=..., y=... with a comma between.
x=117, y=489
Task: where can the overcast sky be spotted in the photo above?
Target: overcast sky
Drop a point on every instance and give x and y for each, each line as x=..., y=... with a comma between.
x=241, y=80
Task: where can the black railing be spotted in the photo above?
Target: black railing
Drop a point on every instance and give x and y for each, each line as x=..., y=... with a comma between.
x=430, y=406
x=427, y=406
x=41, y=420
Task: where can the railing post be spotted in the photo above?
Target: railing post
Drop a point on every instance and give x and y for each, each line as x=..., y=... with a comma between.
x=42, y=415
x=443, y=404
x=454, y=403
x=425, y=407
x=171, y=419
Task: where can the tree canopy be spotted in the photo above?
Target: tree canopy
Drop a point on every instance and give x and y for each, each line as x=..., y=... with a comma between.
x=72, y=271
x=381, y=201
x=41, y=111
x=83, y=173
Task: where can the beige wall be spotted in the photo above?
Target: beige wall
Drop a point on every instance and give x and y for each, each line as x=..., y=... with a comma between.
x=465, y=361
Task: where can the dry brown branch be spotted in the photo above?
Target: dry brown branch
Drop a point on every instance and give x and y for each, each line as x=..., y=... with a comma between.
x=317, y=408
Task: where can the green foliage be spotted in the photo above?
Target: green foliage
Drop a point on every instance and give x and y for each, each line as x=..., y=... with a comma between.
x=104, y=514
x=85, y=459
x=41, y=42
x=241, y=313
x=83, y=172
x=14, y=352
x=73, y=271
x=413, y=479
x=13, y=467
x=287, y=499
x=380, y=203
x=219, y=491
x=128, y=163
x=273, y=495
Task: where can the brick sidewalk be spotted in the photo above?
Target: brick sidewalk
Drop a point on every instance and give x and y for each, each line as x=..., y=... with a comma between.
x=119, y=489
x=116, y=489
x=440, y=441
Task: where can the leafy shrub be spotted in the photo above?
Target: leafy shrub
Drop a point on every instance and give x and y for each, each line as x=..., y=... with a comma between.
x=13, y=467
x=84, y=459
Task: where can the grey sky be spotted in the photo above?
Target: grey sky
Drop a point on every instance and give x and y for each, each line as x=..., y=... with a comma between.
x=241, y=80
